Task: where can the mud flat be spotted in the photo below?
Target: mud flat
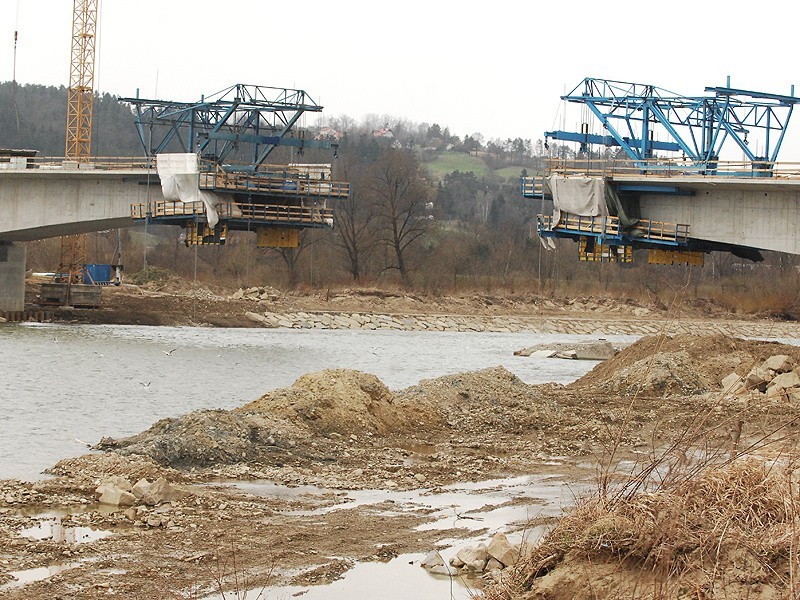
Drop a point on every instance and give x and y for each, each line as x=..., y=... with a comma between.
x=312, y=483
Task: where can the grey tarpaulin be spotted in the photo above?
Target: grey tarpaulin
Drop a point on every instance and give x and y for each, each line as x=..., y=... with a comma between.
x=588, y=197
x=577, y=195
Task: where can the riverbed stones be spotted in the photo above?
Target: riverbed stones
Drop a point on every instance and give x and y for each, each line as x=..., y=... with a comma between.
x=644, y=324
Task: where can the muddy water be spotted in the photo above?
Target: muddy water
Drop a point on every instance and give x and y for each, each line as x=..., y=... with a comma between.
x=485, y=507
x=62, y=385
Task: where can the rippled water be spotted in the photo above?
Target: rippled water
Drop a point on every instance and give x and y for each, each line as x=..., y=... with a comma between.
x=61, y=385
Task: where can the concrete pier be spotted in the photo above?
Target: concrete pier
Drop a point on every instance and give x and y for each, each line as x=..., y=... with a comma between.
x=12, y=277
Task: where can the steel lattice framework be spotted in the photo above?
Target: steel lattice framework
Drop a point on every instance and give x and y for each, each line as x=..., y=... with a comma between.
x=81, y=80
x=697, y=127
x=249, y=118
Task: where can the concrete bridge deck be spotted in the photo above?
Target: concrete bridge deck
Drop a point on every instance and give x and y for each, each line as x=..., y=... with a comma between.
x=735, y=205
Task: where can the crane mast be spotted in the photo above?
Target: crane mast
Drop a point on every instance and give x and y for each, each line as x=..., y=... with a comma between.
x=80, y=104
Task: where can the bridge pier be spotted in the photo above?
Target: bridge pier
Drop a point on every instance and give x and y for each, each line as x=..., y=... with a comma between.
x=12, y=277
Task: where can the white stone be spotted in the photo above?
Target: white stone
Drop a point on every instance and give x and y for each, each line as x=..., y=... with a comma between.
x=732, y=383
x=501, y=549
x=785, y=381
x=780, y=363
x=433, y=559
x=474, y=558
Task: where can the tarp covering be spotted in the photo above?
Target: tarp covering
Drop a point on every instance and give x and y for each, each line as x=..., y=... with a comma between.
x=180, y=182
x=577, y=195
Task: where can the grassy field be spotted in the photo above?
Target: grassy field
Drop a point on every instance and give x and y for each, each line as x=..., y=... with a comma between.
x=448, y=162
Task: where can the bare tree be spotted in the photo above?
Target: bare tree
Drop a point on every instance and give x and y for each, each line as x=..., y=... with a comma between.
x=402, y=196
x=354, y=218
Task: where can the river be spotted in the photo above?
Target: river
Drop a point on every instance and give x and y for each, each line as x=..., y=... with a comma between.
x=61, y=385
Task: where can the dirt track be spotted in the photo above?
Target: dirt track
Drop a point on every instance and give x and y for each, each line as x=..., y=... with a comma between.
x=344, y=430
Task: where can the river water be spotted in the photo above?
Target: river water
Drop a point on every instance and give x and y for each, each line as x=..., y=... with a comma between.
x=61, y=385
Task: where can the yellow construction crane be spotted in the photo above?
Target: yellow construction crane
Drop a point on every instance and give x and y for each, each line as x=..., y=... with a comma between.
x=80, y=105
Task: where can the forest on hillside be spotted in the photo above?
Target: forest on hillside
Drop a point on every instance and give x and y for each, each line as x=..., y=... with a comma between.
x=430, y=210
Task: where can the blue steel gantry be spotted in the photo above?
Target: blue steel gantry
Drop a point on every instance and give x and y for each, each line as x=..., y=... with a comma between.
x=667, y=143
x=233, y=132
x=697, y=127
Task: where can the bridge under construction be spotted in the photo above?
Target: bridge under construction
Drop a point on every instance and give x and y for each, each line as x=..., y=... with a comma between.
x=205, y=169
x=654, y=177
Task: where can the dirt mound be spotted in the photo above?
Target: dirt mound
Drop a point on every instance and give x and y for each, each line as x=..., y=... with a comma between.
x=343, y=401
x=683, y=364
x=95, y=466
x=727, y=531
x=474, y=401
x=208, y=437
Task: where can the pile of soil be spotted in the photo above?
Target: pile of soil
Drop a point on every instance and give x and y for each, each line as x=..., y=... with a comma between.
x=683, y=364
x=345, y=402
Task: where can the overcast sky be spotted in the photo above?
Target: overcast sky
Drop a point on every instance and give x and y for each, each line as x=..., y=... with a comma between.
x=497, y=68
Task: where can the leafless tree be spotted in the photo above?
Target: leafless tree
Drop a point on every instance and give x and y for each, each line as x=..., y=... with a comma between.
x=402, y=196
x=355, y=218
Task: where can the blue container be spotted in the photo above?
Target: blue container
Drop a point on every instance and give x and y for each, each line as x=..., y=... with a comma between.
x=99, y=274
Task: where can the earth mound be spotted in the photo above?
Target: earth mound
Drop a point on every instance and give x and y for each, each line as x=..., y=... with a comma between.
x=209, y=437
x=343, y=401
x=474, y=401
x=684, y=364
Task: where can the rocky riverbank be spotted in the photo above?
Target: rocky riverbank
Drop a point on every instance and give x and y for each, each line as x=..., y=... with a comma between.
x=300, y=485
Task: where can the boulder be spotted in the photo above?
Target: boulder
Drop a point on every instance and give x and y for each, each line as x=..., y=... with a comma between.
x=494, y=565
x=114, y=496
x=140, y=488
x=474, y=559
x=441, y=570
x=160, y=491
x=255, y=317
x=119, y=481
x=732, y=383
x=502, y=550
x=780, y=363
x=757, y=379
x=785, y=381
x=433, y=559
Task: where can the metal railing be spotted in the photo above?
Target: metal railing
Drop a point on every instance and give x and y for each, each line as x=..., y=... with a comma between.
x=265, y=213
x=608, y=227
x=663, y=167
x=99, y=163
x=287, y=183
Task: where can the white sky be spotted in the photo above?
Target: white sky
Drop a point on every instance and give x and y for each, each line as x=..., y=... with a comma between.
x=497, y=68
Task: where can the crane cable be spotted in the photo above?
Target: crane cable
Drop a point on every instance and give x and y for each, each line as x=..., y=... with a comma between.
x=14, y=69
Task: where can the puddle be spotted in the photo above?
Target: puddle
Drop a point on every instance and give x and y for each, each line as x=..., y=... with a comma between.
x=32, y=575
x=485, y=507
x=398, y=579
x=53, y=530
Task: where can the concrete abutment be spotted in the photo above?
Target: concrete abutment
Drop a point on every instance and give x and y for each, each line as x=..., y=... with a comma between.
x=12, y=277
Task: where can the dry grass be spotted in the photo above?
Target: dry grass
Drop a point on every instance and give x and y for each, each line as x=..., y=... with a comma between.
x=727, y=532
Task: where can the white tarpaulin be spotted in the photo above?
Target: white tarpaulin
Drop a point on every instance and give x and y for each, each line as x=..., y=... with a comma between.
x=180, y=182
x=577, y=195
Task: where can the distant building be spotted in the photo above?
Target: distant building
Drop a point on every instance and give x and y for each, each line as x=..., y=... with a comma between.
x=329, y=133
x=383, y=132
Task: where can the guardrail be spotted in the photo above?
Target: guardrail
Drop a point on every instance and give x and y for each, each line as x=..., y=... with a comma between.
x=100, y=163
x=279, y=184
x=265, y=213
x=673, y=168
x=607, y=227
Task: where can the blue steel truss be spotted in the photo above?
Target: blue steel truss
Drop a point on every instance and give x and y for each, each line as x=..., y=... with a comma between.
x=697, y=127
x=249, y=118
